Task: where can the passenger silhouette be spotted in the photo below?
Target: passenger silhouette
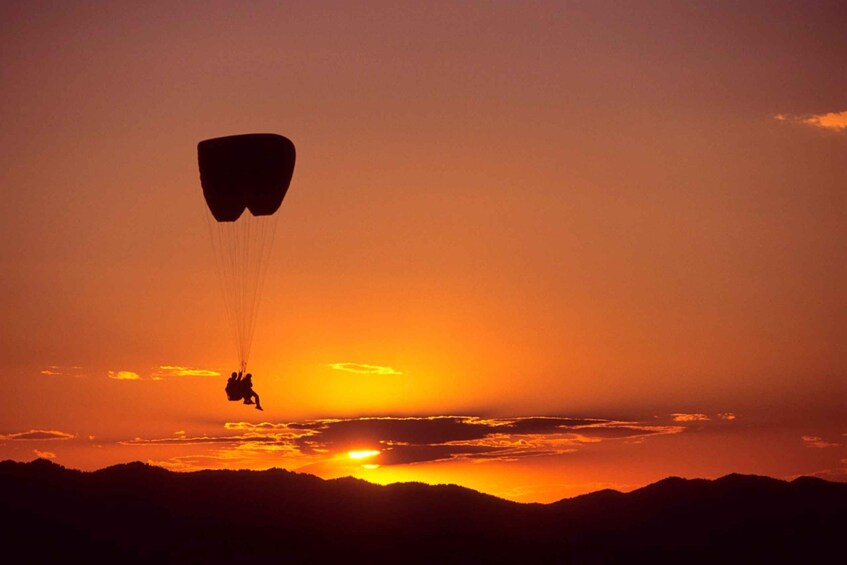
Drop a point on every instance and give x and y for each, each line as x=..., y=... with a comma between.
x=249, y=393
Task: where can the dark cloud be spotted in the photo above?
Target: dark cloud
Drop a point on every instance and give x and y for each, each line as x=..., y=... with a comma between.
x=414, y=440
x=612, y=431
x=406, y=454
x=39, y=435
x=408, y=440
x=416, y=431
x=544, y=425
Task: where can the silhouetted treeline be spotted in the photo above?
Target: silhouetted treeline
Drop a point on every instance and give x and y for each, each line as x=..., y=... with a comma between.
x=136, y=512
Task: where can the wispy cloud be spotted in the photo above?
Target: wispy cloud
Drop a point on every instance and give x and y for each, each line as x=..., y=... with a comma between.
x=833, y=121
x=37, y=435
x=251, y=426
x=188, y=462
x=837, y=474
x=815, y=441
x=186, y=440
x=681, y=417
x=164, y=371
x=124, y=375
x=44, y=454
x=362, y=369
x=58, y=371
x=689, y=417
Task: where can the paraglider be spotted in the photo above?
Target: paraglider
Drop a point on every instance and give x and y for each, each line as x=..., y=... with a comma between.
x=241, y=388
x=244, y=180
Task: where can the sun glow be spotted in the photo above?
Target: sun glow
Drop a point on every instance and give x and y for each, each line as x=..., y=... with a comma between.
x=362, y=453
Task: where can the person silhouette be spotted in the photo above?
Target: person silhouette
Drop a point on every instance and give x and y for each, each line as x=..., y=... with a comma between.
x=233, y=388
x=249, y=393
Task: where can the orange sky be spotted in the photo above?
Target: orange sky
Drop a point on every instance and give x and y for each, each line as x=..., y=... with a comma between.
x=625, y=215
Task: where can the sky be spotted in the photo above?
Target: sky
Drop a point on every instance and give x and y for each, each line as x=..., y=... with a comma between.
x=532, y=248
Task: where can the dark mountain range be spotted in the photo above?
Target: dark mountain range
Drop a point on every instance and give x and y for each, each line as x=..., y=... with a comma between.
x=136, y=512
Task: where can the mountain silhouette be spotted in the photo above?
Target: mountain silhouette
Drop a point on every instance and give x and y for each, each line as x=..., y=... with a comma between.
x=136, y=512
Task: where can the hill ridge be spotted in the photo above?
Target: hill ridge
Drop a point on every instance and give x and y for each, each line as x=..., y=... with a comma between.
x=139, y=512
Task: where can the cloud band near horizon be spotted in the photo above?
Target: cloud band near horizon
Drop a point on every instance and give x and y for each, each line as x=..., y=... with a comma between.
x=409, y=440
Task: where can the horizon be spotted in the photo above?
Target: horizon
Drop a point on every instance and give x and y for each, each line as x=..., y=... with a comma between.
x=665, y=480
x=52, y=463
x=533, y=250
x=208, y=514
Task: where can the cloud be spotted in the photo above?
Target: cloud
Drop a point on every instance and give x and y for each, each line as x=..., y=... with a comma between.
x=815, y=441
x=422, y=430
x=164, y=371
x=836, y=121
x=832, y=121
x=258, y=436
x=408, y=454
x=838, y=474
x=57, y=371
x=124, y=375
x=546, y=424
x=681, y=417
x=251, y=426
x=198, y=462
x=185, y=440
x=410, y=440
x=362, y=369
x=37, y=435
x=44, y=454
x=685, y=417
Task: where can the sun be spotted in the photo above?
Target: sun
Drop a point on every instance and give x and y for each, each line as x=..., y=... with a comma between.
x=362, y=453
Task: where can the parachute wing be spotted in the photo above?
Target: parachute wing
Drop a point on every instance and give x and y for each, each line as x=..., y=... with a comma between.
x=250, y=171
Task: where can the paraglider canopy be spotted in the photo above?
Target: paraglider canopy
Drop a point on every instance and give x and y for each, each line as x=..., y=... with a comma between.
x=249, y=171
